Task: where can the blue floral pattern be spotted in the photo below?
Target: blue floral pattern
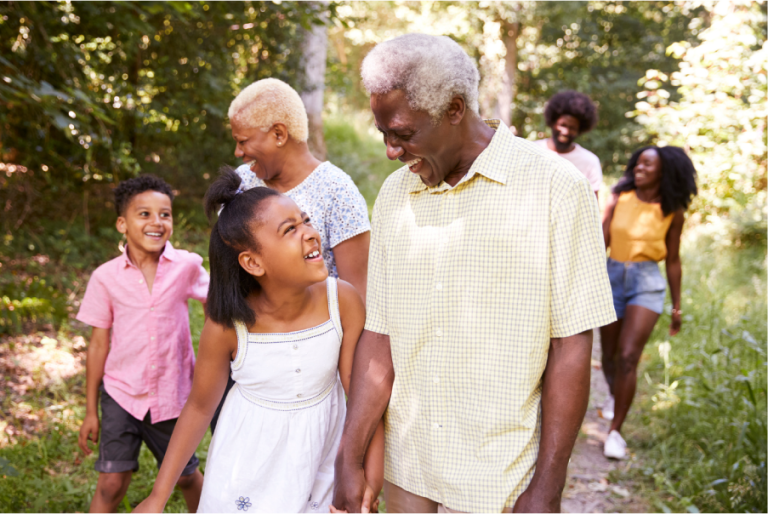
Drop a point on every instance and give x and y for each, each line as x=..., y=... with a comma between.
x=243, y=503
x=334, y=205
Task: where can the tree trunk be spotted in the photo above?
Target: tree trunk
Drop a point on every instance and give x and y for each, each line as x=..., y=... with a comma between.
x=510, y=31
x=314, y=50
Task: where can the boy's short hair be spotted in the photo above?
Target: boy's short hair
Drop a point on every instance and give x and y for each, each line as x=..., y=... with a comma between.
x=127, y=189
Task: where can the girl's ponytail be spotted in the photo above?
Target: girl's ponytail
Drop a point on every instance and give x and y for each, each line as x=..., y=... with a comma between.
x=230, y=283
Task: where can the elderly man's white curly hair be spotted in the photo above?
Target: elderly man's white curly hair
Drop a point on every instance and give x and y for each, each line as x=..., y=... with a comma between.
x=270, y=101
x=431, y=70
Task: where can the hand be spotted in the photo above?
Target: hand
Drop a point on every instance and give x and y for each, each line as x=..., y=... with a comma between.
x=533, y=500
x=366, y=506
x=151, y=504
x=88, y=430
x=674, y=325
x=350, y=489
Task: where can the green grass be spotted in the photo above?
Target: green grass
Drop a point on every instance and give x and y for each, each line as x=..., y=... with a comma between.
x=702, y=436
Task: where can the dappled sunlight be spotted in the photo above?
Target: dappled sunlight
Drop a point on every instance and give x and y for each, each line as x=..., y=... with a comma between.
x=37, y=384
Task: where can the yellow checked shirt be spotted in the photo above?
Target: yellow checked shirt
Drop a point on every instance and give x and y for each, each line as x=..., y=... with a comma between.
x=470, y=283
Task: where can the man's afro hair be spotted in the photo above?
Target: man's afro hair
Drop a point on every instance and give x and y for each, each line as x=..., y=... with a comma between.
x=574, y=103
x=127, y=189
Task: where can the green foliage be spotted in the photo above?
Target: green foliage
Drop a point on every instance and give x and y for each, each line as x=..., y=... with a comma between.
x=600, y=49
x=720, y=115
x=707, y=448
x=94, y=93
x=358, y=152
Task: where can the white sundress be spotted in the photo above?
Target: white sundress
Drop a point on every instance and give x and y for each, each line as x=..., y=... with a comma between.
x=280, y=427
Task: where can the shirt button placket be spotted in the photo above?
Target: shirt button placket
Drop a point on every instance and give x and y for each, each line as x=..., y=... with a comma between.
x=297, y=373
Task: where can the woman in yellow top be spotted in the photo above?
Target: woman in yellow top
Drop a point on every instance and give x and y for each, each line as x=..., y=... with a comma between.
x=642, y=225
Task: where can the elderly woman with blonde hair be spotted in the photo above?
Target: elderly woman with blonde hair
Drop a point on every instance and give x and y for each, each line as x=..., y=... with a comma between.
x=270, y=128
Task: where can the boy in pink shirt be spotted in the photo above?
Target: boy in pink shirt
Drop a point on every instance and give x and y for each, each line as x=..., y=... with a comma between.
x=145, y=372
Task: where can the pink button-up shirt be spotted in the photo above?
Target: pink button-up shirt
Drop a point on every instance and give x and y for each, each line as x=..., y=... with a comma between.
x=151, y=359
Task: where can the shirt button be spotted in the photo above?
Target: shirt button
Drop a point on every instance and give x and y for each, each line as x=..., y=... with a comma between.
x=151, y=393
x=298, y=370
x=436, y=380
x=141, y=281
x=436, y=426
x=153, y=366
x=438, y=332
x=439, y=286
x=152, y=338
x=152, y=308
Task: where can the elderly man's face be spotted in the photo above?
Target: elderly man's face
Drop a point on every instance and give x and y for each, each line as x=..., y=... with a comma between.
x=430, y=150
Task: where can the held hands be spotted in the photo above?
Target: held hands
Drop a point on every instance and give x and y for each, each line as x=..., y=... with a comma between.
x=88, y=430
x=352, y=492
x=674, y=325
x=370, y=502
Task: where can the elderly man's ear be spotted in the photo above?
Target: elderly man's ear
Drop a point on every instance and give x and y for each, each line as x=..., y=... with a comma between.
x=456, y=110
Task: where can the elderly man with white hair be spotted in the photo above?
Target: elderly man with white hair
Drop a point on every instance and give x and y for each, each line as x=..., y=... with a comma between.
x=486, y=278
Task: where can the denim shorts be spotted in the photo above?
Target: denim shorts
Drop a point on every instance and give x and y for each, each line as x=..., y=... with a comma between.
x=636, y=283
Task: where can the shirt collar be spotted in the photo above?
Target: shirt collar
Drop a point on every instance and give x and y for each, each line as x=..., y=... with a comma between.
x=169, y=252
x=482, y=164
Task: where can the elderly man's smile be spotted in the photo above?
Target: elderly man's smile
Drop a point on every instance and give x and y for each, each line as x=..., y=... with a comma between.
x=415, y=165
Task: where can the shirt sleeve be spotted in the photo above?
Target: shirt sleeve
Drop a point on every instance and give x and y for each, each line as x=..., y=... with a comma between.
x=198, y=287
x=348, y=214
x=580, y=291
x=96, y=307
x=595, y=175
x=375, y=300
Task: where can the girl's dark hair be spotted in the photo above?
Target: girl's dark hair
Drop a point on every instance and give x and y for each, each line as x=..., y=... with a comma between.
x=576, y=104
x=678, y=177
x=231, y=235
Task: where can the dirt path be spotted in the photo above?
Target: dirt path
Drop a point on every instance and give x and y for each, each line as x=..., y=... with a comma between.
x=588, y=488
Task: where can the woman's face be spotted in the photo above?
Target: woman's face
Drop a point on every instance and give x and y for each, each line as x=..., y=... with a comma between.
x=290, y=249
x=257, y=148
x=648, y=170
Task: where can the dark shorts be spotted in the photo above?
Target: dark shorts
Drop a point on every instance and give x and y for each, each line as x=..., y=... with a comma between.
x=122, y=434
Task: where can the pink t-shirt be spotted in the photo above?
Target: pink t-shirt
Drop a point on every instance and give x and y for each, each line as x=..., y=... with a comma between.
x=151, y=359
x=584, y=160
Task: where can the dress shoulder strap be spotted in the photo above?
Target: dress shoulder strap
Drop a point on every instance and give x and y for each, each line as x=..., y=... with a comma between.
x=242, y=344
x=333, y=304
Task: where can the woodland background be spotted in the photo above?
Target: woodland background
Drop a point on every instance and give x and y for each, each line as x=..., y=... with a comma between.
x=95, y=93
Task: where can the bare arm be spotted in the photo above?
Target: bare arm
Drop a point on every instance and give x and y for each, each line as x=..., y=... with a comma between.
x=675, y=269
x=217, y=347
x=98, y=350
x=353, y=320
x=608, y=217
x=370, y=388
x=564, y=399
x=352, y=261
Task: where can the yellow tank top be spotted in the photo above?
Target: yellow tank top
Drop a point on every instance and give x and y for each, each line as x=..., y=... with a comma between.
x=638, y=230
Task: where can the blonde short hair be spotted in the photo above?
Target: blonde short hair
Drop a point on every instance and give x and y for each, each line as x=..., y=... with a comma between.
x=270, y=101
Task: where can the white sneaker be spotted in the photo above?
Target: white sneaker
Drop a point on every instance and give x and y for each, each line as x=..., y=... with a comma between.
x=607, y=409
x=615, y=446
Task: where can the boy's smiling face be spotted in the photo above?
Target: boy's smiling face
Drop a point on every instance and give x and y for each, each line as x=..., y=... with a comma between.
x=147, y=222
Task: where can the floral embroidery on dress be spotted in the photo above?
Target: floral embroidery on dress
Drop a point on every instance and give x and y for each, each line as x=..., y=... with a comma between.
x=243, y=503
x=331, y=199
x=315, y=505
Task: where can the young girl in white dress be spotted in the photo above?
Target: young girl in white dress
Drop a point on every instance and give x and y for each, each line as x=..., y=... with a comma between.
x=288, y=333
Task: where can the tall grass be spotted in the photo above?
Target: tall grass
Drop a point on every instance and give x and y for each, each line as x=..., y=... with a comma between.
x=702, y=431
